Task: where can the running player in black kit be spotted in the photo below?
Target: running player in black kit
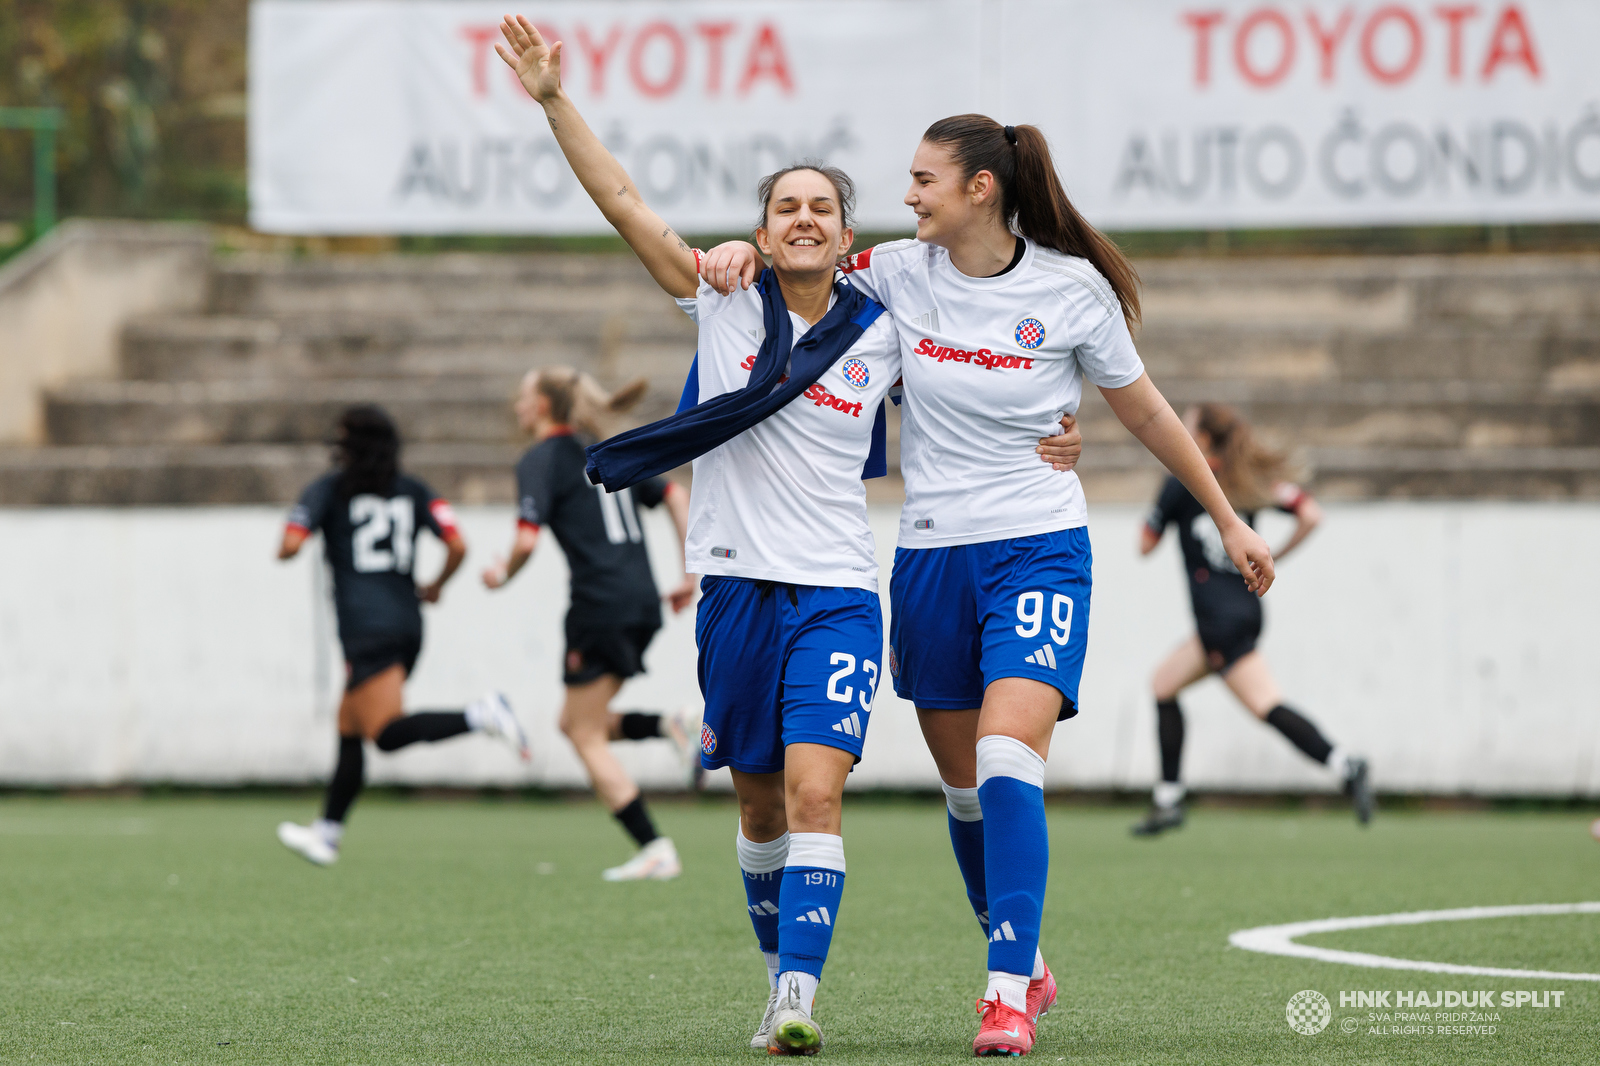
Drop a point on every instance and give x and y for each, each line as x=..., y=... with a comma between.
x=370, y=514
x=1227, y=615
x=615, y=608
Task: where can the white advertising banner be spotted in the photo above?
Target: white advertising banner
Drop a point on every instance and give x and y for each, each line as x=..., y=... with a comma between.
x=371, y=116
x=396, y=116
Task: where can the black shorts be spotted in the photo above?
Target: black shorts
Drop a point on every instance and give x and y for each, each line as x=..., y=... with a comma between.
x=1228, y=636
x=596, y=648
x=367, y=658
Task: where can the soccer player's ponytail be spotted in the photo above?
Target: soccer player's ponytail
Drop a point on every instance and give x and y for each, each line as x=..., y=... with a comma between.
x=367, y=451
x=576, y=399
x=1250, y=470
x=1032, y=200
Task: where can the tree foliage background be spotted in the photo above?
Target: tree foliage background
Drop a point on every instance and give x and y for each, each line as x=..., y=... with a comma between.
x=154, y=96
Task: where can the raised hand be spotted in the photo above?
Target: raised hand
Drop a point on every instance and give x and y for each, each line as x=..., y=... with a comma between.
x=538, y=65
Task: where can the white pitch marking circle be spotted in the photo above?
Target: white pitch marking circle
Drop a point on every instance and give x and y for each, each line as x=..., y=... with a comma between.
x=1280, y=939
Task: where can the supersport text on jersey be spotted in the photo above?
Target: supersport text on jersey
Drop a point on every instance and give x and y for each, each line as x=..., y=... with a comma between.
x=991, y=365
x=783, y=501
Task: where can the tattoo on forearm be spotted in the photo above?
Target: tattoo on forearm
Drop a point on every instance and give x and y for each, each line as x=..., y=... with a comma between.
x=552, y=125
x=622, y=191
x=667, y=234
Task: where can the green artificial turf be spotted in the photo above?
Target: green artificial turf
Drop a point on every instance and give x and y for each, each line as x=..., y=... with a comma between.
x=179, y=931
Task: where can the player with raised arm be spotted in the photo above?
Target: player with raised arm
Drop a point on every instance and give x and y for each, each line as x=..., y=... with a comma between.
x=615, y=610
x=1227, y=616
x=370, y=514
x=1005, y=302
x=789, y=627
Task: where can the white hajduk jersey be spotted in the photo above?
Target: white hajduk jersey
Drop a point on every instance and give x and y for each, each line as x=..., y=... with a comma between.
x=784, y=501
x=991, y=365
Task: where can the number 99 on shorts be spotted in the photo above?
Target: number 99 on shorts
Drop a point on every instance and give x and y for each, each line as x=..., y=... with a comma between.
x=1031, y=616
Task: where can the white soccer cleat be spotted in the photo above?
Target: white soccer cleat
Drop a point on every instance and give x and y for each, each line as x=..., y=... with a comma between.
x=309, y=844
x=494, y=716
x=764, y=1033
x=656, y=861
x=794, y=1031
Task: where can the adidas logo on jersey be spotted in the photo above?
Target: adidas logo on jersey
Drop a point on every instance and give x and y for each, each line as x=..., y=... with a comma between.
x=1045, y=656
x=851, y=726
x=1003, y=933
x=820, y=916
x=764, y=907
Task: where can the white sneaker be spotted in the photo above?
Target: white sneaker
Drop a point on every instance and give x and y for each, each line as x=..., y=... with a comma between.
x=493, y=715
x=767, y=1020
x=683, y=729
x=309, y=844
x=794, y=1032
x=656, y=861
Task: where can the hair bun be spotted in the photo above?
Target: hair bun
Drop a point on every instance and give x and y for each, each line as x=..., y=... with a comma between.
x=1011, y=134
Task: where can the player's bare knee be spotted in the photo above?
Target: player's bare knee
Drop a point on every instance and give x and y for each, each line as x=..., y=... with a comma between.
x=813, y=807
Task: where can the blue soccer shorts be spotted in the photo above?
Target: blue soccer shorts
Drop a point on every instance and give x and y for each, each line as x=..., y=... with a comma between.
x=784, y=664
x=966, y=615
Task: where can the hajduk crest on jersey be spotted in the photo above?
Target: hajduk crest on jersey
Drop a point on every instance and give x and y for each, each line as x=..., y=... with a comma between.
x=1030, y=333
x=855, y=372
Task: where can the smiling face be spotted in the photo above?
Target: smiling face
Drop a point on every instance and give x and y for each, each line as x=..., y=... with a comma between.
x=945, y=203
x=804, y=231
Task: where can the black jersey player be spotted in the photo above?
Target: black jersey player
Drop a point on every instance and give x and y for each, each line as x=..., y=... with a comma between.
x=615, y=609
x=370, y=514
x=1227, y=615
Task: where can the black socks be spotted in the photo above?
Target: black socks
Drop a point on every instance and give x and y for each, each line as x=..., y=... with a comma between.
x=1169, y=731
x=637, y=726
x=1301, y=733
x=636, y=820
x=424, y=725
x=347, y=779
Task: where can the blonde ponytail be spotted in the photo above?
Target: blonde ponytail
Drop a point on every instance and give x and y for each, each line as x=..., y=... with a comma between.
x=1250, y=470
x=578, y=400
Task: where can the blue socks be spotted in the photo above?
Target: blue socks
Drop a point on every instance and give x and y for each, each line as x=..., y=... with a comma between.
x=966, y=838
x=762, y=867
x=1016, y=849
x=813, y=882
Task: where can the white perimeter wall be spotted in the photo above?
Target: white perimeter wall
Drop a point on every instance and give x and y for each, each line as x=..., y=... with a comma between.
x=1454, y=643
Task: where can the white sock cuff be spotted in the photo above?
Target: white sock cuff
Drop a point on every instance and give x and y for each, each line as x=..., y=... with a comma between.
x=963, y=803
x=764, y=858
x=1339, y=761
x=823, y=851
x=1000, y=756
x=1167, y=794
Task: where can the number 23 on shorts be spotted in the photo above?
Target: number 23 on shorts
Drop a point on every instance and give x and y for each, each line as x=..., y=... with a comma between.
x=847, y=667
x=1030, y=616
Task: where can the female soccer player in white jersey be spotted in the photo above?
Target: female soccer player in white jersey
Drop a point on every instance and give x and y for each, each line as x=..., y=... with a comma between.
x=789, y=626
x=1227, y=617
x=1005, y=301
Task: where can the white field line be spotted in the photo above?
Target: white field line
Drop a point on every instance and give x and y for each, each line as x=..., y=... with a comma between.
x=1280, y=939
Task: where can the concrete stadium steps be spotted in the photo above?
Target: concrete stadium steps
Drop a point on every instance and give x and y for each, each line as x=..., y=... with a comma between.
x=432, y=284
x=466, y=410
x=364, y=345
x=1406, y=377
x=1379, y=414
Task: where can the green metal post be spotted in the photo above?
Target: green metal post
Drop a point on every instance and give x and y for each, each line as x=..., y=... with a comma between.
x=44, y=180
x=43, y=121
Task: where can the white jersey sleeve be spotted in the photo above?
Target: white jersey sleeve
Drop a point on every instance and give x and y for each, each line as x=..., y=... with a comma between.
x=882, y=270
